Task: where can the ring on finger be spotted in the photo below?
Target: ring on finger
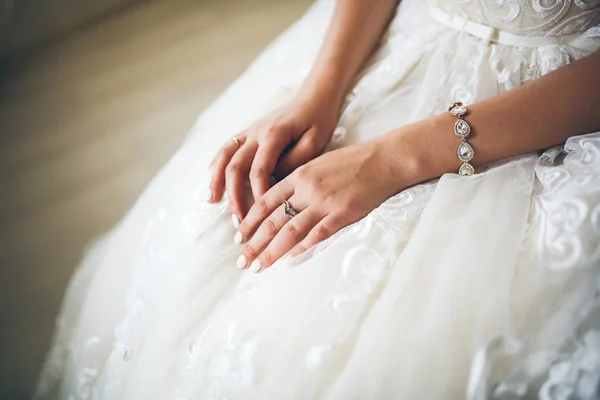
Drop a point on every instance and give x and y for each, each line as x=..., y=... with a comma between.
x=237, y=141
x=289, y=210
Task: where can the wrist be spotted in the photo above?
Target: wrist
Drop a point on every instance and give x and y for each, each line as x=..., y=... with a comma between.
x=421, y=151
x=323, y=88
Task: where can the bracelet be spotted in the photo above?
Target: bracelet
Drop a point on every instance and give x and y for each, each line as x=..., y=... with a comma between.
x=462, y=129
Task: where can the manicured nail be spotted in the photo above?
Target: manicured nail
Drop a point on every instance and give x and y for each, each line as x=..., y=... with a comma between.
x=236, y=221
x=255, y=266
x=241, y=262
x=210, y=196
x=238, y=238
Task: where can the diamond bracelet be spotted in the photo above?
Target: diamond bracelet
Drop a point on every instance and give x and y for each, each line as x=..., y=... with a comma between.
x=464, y=152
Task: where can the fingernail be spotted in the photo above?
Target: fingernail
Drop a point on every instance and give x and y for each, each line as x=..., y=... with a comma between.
x=238, y=238
x=210, y=196
x=255, y=266
x=241, y=262
x=236, y=221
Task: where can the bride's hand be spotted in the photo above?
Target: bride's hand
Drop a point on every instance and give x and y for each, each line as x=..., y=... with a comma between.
x=276, y=145
x=329, y=193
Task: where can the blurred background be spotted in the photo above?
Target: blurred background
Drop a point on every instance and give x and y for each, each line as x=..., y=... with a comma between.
x=95, y=95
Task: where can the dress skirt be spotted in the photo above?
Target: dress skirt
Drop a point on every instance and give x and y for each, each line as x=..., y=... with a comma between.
x=460, y=287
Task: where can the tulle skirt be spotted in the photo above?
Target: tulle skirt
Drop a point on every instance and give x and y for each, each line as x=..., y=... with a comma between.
x=461, y=287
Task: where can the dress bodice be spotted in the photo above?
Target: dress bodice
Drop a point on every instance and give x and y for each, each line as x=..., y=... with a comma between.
x=529, y=17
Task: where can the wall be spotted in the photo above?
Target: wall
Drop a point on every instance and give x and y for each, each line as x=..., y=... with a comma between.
x=85, y=123
x=27, y=23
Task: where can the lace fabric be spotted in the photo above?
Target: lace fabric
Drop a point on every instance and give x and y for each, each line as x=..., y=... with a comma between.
x=485, y=287
x=530, y=17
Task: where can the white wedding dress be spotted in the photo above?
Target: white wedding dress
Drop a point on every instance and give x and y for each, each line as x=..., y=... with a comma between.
x=464, y=287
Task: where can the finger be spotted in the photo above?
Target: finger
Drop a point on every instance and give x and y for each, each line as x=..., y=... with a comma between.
x=263, y=166
x=268, y=230
x=235, y=174
x=217, y=167
x=323, y=230
x=263, y=207
x=302, y=152
x=288, y=236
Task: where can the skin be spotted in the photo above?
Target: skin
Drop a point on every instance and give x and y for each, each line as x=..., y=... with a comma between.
x=298, y=132
x=343, y=186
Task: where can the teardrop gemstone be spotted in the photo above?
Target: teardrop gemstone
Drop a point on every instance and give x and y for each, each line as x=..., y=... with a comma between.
x=466, y=170
x=457, y=111
x=465, y=152
x=461, y=128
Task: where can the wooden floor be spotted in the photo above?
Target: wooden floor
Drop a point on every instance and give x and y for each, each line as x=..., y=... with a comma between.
x=84, y=125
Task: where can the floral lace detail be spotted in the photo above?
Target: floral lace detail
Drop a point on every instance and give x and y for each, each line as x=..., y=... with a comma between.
x=217, y=370
x=565, y=225
x=578, y=376
x=222, y=363
x=397, y=215
x=365, y=268
x=531, y=17
x=574, y=375
x=568, y=219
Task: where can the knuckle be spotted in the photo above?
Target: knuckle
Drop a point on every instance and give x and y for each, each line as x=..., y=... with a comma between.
x=270, y=227
x=312, y=147
x=273, y=128
x=290, y=230
x=316, y=186
x=250, y=252
x=258, y=172
x=346, y=209
x=302, y=172
x=322, y=232
x=347, y=206
x=266, y=258
x=233, y=168
x=302, y=247
x=262, y=206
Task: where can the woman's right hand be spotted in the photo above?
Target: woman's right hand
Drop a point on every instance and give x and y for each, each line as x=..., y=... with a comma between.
x=275, y=145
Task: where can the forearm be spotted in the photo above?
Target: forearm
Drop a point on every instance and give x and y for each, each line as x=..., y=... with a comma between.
x=538, y=115
x=352, y=35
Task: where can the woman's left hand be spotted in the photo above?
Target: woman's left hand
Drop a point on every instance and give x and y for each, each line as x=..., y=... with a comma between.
x=329, y=193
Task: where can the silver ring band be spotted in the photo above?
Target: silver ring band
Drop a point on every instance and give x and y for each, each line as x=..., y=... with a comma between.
x=288, y=210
